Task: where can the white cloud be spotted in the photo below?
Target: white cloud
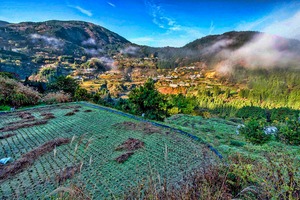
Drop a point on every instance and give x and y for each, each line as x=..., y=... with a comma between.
x=263, y=51
x=54, y=42
x=288, y=27
x=83, y=11
x=93, y=51
x=129, y=50
x=159, y=17
x=176, y=34
x=284, y=22
x=89, y=41
x=216, y=47
x=211, y=28
x=111, y=4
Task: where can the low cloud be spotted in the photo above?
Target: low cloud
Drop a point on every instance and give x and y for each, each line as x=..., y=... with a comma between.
x=93, y=51
x=130, y=50
x=107, y=61
x=267, y=50
x=218, y=46
x=89, y=42
x=54, y=42
x=263, y=51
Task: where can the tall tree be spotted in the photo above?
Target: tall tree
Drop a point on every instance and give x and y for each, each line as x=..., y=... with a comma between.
x=147, y=100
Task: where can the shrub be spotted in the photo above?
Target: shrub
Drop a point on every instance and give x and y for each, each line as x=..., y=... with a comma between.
x=254, y=132
x=237, y=143
x=62, y=83
x=4, y=108
x=56, y=97
x=82, y=94
x=290, y=132
x=16, y=94
x=251, y=112
x=280, y=114
x=146, y=99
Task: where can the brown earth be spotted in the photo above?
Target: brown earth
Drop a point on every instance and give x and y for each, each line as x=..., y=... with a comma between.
x=28, y=159
x=22, y=124
x=130, y=145
x=67, y=173
x=70, y=113
x=25, y=115
x=122, y=158
x=146, y=127
x=48, y=115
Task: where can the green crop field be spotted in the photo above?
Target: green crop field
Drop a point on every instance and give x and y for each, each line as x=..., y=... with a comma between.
x=89, y=157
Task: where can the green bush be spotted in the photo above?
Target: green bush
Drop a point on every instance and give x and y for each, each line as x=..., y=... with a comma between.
x=4, y=108
x=254, y=132
x=237, y=143
x=280, y=114
x=251, y=112
x=148, y=101
x=81, y=94
x=290, y=132
x=65, y=84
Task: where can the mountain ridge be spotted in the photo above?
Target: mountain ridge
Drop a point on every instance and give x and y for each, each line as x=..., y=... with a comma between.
x=31, y=42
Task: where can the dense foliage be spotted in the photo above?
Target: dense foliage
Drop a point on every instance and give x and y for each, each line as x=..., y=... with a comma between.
x=148, y=101
x=254, y=132
x=66, y=84
x=289, y=132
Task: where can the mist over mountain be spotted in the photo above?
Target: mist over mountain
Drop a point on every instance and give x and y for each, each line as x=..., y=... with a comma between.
x=65, y=37
x=31, y=42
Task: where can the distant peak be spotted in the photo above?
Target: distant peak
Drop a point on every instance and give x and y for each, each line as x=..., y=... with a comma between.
x=3, y=23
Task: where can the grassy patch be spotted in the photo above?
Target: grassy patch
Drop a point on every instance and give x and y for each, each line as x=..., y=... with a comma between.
x=223, y=136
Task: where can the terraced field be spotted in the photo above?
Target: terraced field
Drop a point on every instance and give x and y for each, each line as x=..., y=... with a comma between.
x=103, y=153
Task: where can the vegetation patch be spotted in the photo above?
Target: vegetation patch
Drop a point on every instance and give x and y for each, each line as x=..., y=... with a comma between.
x=48, y=115
x=25, y=115
x=28, y=159
x=21, y=121
x=122, y=158
x=130, y=145
x=145, y=127
x=7, y=136
x=70, y=113
x=67, y=173
x=21, y=124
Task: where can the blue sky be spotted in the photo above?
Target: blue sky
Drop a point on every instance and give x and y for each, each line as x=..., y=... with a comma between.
x=164, y=22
